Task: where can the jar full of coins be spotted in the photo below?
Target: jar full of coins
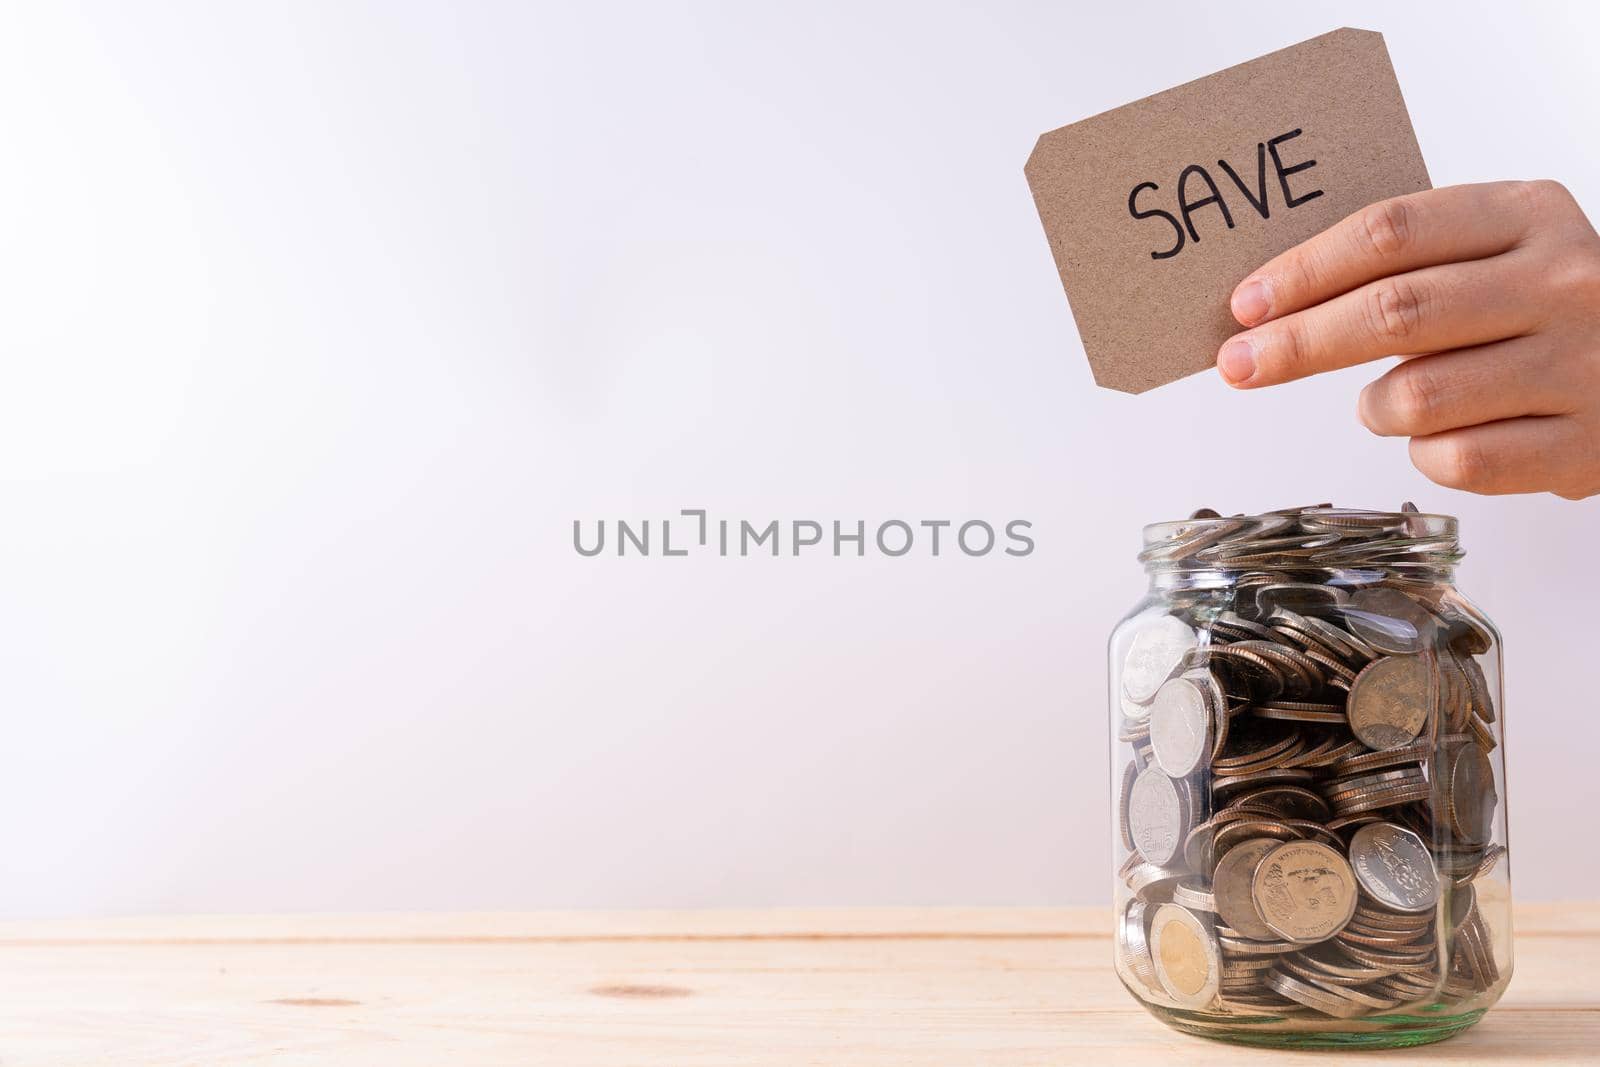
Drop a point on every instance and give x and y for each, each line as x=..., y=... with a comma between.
x=1307, y=746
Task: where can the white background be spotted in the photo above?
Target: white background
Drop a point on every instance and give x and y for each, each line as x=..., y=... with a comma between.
x=321, y=323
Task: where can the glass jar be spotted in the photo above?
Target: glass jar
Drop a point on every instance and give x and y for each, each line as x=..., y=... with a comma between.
x=1308, y=767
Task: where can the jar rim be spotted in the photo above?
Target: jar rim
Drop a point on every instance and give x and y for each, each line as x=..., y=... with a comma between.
x=1308, y=538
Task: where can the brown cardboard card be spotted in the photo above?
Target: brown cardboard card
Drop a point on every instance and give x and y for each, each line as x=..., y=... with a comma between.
x=1156, y=210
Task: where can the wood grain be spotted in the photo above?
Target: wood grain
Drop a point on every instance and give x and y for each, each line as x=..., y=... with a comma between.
x=855, y=986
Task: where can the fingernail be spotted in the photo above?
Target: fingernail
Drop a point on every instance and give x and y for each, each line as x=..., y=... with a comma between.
x=1237, y=361
x=1364, y=403
x=1252, y=301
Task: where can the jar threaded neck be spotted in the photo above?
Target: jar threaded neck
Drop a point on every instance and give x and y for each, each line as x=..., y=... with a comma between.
x=1319, y=538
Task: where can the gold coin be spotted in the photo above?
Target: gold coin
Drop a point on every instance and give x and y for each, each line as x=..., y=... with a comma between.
x=1231, y=887
x=1187, y=957
x=1390, y=701
x=1305, y=891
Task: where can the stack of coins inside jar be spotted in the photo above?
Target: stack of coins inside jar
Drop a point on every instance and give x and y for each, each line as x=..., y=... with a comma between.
x=1309, y=799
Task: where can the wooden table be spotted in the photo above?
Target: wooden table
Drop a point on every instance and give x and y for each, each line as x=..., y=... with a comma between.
x=952, y=987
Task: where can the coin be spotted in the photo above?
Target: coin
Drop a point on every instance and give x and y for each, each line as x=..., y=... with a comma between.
x=1134, y=946
x=1339, y=788
x=1220, y=708
x=1330, y=960
x=1311, y=996
x=1237, y=833
x=1385, y=797
x=1315, y=831
x=1289, y=801
x=1473, y=935
x=1233, y=944
x=1394, y=867
x=1187, y=957
x=1285, y=747
x=1180, y=726
x=1338, y=671
x=1389, y=621
x=1390, y=701
x=1159, y=815
x=1263, y=678
x=1491, y=856
x=1231, y=887
x=1348, y=992
x=1482, y=702
x=1304, y=891
x=1197, y=847
x=1132, y=711
x=1349, y=648
x=1480, y=733
x=1242, y=627
x=1243, y=966
x=1288, y=712
x=1235, y=782
x=1158, y=648
x=1472, y=795
x=1381, y=917
x=1129, y=774
x=1328, y=754
x=1299, y=671
x=1152, y=884
x=1189, y=538
x=1292, y=595
x=1468, y=635
x=1193, y=894
x=1393, y=757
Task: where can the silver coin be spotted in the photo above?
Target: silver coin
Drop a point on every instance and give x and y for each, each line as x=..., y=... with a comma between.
x=1194, y=894
x=1152, y=884
x=1130, y=774
x=1156, y=652
x=1395, y=867
x=1132, y=711
x=1180, y=726
x=1312, y=996
x=1134, y=944
x=1158, y=815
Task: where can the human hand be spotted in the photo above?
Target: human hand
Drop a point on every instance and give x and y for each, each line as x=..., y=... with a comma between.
x=1491, y=296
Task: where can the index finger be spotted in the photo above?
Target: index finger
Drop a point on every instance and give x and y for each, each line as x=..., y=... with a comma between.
x=1426, y=229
